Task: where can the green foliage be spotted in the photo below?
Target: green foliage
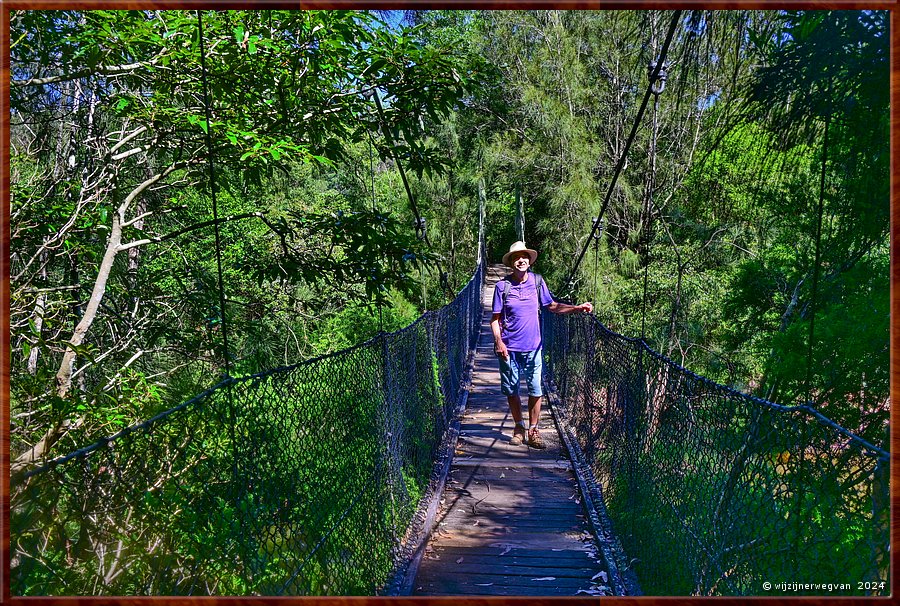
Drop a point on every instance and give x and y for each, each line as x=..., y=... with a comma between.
x=348, y=248
x=357, y=323
x=114, y=98
x=718, y=213
x=724, y=487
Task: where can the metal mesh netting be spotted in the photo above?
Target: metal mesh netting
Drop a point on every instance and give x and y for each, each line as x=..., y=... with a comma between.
x=712, y=492
x=300, y=480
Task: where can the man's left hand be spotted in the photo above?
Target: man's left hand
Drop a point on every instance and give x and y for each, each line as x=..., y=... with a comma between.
x=586, y=307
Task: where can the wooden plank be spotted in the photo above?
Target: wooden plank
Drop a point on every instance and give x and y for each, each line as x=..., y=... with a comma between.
x=513, y=482
x=561, y=558
x=487, y=515
x=467, y=458
x=534, y=525
x=493, y=511
x=499, y=438
x=466, y=477
x=506, y=515
x=503, y=477
x=495, y=433
x=482, y=498
x=522, y=467
x=447, y=567
x=499, y=433
x=512, y=468
x=504, y=474
x=522, y=505
x=487, y=519
x=565, y=536
x=483, y=412
x=485, y=430
x=492, y=590
x=566, y=567
x=501, y=516
x=510, y=462
x=489, y=530
x=482, y=520
x=509, y=580
x=524, y=585
x=518, y=539
x=493, y=473
x=500, y=447
x=534, y=494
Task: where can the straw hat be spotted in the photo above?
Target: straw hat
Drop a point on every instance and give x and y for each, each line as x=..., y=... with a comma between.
x=519, y=247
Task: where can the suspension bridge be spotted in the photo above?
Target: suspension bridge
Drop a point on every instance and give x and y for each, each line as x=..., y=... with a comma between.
x=386, y=469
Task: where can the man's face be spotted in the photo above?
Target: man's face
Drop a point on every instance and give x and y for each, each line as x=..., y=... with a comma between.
x=521, y=261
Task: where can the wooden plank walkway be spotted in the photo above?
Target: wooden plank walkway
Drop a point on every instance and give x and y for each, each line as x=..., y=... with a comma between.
x=510, y=520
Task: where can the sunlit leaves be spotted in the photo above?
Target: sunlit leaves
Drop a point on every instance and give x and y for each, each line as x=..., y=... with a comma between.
x=282, y=85
x=341, y=248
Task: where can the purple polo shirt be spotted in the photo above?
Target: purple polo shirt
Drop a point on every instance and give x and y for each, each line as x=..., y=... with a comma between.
x=519, y=326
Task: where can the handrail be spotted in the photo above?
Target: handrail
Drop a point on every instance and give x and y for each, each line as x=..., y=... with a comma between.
x=743, y=489
x=368, y=420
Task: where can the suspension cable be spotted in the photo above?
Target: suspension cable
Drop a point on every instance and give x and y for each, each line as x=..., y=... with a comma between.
x=596, y=261
x=420, y=223
x=375, y=211
x=815, y=284
x=212, y=189
x=232, y=433
x=421, y=230
x=612, y=184
x=645, y=220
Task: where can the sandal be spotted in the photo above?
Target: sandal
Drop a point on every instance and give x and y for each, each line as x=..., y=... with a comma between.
x=535, y=440
x=518, y=436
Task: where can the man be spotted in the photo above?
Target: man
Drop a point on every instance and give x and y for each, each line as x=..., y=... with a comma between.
x=517, y=337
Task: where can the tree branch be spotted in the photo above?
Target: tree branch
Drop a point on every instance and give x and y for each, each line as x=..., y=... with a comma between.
x=189, y=228
x=103, y=70
x=128, y=138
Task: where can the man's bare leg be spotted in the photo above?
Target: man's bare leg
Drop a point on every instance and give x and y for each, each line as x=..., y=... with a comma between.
x=534, y=415
x=534, y=410
x=515, y=409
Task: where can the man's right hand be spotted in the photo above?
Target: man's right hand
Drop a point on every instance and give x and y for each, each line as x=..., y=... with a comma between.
x=500, y=350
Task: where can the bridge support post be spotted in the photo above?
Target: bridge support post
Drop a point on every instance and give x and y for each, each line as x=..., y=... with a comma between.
x=520, y=214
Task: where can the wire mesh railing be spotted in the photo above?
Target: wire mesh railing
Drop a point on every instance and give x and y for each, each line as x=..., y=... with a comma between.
x=710, y=491
x=302, y=480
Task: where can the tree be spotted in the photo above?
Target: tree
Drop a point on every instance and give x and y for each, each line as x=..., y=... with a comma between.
x=826, y=85
x=111, y=106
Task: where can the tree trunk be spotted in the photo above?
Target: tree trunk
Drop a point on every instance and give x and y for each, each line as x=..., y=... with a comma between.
x=64, y=375
x=39, y=308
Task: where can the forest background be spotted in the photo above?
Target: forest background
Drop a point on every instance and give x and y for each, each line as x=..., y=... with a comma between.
x=753, y=210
